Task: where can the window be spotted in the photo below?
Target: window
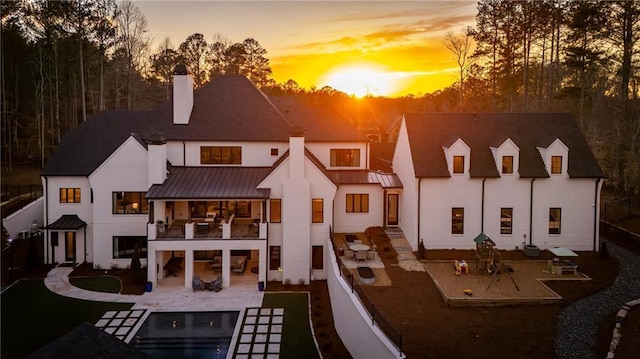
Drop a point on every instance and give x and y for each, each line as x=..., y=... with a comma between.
x=317, y=257
x=274, y=258
x=129, y=203
x=222, y=209
x=345, y=157
x=276, y=210
x=507, y=164
x=274, y=152
x=317, y=210
x=69, y=195
x=555, y=215
x=358, y=203
x=506, y=214
x=124, y=246
x=215, y=155
x=556, y=165
x=458, y=164
x=457, y=220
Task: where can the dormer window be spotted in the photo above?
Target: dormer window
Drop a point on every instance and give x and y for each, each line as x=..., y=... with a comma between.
x=458, y=164
x=507, y=164
x=556, y=165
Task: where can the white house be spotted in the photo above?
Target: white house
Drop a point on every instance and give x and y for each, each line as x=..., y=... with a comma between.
x=227, y=174
x=519, y=178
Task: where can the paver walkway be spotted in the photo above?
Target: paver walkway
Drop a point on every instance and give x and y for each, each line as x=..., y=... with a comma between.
x=406, y=259
x=578, y=323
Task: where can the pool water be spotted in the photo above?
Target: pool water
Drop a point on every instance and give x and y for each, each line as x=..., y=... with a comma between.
x=186, y=334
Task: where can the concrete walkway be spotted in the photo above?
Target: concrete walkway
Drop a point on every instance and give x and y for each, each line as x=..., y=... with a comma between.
x=578, y=323
x=161, y=299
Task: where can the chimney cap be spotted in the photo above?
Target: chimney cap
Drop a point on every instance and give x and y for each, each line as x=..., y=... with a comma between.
x=296, y=131
x=181, y=69
x=157, y=138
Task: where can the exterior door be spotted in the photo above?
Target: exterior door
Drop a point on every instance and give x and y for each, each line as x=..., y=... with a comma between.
x=392, y=209
x=70, y=246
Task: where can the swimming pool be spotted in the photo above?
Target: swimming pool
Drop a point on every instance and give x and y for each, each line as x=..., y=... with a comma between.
x=186, y=334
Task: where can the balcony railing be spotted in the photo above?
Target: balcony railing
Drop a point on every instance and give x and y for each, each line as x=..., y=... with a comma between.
x=181, y=229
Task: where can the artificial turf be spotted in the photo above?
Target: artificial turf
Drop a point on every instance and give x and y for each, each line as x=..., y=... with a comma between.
x=33, y=316
x=104, y=284
x=297, y=341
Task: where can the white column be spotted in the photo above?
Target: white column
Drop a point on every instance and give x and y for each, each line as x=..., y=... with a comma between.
x=226, y=268
x=188, y=268
x=151, y=268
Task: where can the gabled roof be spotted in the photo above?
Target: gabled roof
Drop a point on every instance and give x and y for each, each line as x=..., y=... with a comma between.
x=386, y=180
x=211, y=182
x=229, y=108
x=316, y=162
x=319, y=123
x=430, y=132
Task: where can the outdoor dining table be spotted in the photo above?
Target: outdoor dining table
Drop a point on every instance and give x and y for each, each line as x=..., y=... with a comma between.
x=359, y=247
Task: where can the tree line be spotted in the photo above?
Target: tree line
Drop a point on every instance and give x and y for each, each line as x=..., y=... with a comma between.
x=63, y=61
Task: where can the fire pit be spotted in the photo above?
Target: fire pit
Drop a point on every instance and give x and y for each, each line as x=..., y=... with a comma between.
x=366, y=275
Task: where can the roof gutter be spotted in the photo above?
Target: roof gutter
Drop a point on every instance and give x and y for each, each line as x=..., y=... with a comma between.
x=595, y=216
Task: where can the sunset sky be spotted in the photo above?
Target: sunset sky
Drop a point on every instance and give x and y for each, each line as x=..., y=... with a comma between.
x=389, y=48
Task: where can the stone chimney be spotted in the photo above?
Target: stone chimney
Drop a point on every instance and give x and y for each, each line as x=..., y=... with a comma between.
x=182, y=94
x=157, y=159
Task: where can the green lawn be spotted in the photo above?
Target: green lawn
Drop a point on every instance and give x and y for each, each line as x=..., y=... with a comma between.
x=33, y=316
x=104, y=284
x=297, y=341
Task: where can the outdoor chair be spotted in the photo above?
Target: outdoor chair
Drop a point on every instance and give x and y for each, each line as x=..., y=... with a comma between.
x=348, y=254
x=372, y=253
x=361, y=255
x=215, y=285
x=197, y=283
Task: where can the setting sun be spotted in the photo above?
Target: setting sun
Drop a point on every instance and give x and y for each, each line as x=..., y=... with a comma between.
x=360, y=80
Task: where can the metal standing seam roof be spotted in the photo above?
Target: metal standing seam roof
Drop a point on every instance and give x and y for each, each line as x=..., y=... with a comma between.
x=211, y=182
x=67, y=221
x=386, y=180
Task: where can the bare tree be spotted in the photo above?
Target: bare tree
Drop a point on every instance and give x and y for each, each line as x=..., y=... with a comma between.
x=460, y=47
x=132, y=40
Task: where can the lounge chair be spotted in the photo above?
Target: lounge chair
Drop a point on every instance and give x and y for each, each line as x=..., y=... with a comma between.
x=216, y=285
x=197, y=283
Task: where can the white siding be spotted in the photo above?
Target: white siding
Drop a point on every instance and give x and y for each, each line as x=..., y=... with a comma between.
x=358, y=222
x=408, y=207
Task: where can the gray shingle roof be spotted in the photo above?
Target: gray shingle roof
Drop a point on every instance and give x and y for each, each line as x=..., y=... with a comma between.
x=229, y=108
x=212, y=182
x=430, y=132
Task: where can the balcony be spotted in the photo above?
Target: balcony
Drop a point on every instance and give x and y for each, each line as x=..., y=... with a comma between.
x=201, y=230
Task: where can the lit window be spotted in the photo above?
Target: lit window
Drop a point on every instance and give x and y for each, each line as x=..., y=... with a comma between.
x=556, y=165
x=276, y=210
x=506, y=215
x=70, y=195
x=229, y=155
x=345, y=158
x=316, y=210
x=129, y=203
x=507, y=164
x=317, y=257
x=358, y=203
x=274, y=258
x=458, y=164
x=457, y=220
x=555, y=215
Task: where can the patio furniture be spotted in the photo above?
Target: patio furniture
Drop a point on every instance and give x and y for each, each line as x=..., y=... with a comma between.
x=197, y=283
x=202, y=228
x=565, y=260
x=348, y=254
x=361, y=255
x=214, y=285
x=350, y=238
x=372, y=253
x=238, y=264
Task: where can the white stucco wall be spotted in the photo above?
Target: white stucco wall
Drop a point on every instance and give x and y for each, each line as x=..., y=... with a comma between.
x=357, y=222
x=322, y=151
x=254, y=154
x=408, y=198
x=124, y=171
x=352, y=322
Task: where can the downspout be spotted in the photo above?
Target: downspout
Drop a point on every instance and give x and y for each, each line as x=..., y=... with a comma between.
x=46, y=216
x=419, y=196
x=85, y=244
x=482, y=209
x=184, y=154
x=595, y=216
x=531, y=213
